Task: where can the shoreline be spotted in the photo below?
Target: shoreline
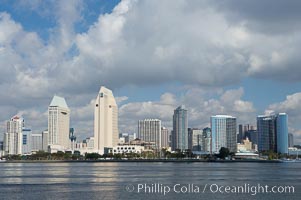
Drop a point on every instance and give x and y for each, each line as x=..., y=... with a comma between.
x=144, y=160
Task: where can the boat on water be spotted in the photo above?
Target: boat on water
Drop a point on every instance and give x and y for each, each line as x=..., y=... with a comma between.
x=287, y=160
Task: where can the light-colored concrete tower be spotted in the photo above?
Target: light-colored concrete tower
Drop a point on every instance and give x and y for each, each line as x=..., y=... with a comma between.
x=105, y=121
x=13, y=136
x=223, y=132
x=58, y=124
x=149, y=130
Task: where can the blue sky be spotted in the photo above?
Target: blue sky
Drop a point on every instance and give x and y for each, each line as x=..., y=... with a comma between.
x=216, y=57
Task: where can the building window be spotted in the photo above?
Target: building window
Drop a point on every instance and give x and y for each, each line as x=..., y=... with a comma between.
x=24, y=139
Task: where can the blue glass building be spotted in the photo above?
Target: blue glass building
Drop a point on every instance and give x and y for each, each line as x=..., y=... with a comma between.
x=223, y=130
x=180, y=129
x=282, y=133
x=273, y=133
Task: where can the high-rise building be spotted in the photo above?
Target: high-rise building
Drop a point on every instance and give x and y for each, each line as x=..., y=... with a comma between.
x=149, y=130
x=45, y=140
x=252, y=135
x=290, y=140
x=223, y=128
x=242, y=131
x=1, y=149
x=195, y=139
x=273, y=133
x=164, y=137
x=105, y=121
x=282, y=133
x=207, y=140
x=13, y=136
x=180, y=129
x=58, y=124
x=26, y=141
x=36, y=142
x=266, y=133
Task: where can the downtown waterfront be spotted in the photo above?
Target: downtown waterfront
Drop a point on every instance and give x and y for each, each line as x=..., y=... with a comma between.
x=150, y=180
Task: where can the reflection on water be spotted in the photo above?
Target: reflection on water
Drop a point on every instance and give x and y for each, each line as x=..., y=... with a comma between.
x=109, y=180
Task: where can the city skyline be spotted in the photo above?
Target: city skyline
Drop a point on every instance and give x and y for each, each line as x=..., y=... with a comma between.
x=244, y=64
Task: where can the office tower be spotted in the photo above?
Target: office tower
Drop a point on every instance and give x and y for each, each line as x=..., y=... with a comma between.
x=195, y=136
x=36, y=142
x=273, y=133
x=1, y=149
x=207, y=140
x=223, y=128
x=149, y=130
x=105, y=121
x=180, y=129
x=240, y=135
x=26, y=141
x=266, y=133
x=13, y=136
x=290, y=140
x=164, y=137
x=45, y=140
x=242, y=130
x=58, y=124
x=253, y=136
x=282, y=133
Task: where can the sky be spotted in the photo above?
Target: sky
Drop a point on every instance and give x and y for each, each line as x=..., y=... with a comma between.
x=240, y=58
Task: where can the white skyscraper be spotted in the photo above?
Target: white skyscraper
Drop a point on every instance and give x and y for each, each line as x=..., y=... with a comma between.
x=105, y=121
x=13, y=136
x=223, y=132
x=58, y=124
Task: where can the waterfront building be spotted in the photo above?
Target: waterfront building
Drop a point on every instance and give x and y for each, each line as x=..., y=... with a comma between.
x=13, y=136
x=149, y=146
x=121, y=140
x=273, y=133
x=242, y=131
x=45, y=140
x=180, y=129
x=36, y=142
x=1, y=149
x=253, y=136
x=124, y=137
x=149, y=130
x=245, y=146
x=164, y=138
x=290, y=140
x=207, y=140
x=266, y=133
x=282, y=133
x=26, y=141
x=294, y=151
x=124, y=149
x=89, y=143
x=86, y=146
x=105, y=121
x=58, y=125
x=132, y=136
x=223, y=128
x=195, y=139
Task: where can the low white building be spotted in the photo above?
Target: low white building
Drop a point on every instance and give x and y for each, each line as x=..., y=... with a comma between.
x=294, y=151
x=87, y=146
x=123, y=149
